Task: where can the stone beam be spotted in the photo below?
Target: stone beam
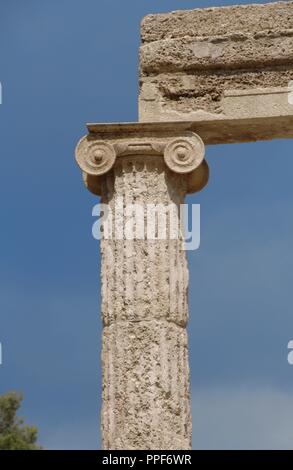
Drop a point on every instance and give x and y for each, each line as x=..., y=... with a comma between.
x=227, y=70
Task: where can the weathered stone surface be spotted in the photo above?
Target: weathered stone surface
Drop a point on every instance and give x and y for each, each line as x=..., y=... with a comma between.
x=145, y=386
x=221, y=21
x=182, y=150
x=206, y=90
x=145, y=312
x=220, y=64
x=146, y=398
x=191, y=55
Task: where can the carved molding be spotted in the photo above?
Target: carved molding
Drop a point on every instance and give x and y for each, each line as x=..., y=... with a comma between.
x=139, y=148
x=95, y=158
x=184, y=155
x=183, y=152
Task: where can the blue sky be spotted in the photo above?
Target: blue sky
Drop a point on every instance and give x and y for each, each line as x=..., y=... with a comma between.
x=64, y=63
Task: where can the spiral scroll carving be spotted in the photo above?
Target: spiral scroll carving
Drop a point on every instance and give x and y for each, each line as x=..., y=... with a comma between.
x=95, y=158
x=184, y=155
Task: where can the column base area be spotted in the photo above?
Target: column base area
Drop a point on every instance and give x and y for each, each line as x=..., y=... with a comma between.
x=146, y=401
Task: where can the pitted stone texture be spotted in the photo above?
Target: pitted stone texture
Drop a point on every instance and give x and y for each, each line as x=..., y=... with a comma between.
x=180, y=147
x=205, y=90
x=145, y=312
x=216, y=21
x=192, y=60
x=196, y=54
x=145, y=386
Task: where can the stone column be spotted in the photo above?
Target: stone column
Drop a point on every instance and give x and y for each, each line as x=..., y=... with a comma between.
x=146, y=400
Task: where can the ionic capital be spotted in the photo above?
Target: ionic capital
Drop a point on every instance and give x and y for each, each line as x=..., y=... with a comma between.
x=183, y=151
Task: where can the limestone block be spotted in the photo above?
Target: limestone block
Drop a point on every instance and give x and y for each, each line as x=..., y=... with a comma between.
x=229, y=68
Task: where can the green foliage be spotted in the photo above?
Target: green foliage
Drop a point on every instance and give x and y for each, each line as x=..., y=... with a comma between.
x=14, y=434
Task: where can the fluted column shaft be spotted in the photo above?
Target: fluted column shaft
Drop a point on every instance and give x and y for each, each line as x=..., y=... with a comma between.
x=144, y=308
